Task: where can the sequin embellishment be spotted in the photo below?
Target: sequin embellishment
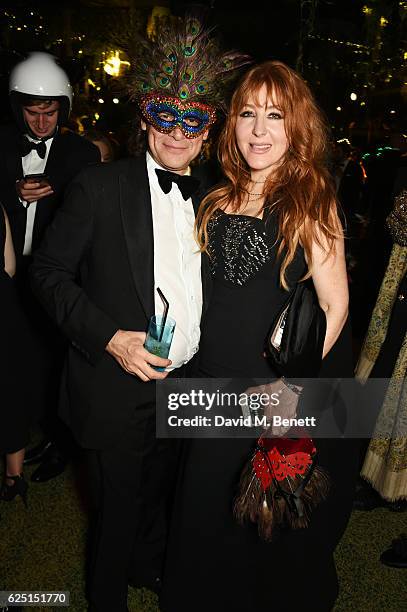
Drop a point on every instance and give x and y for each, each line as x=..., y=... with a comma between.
x=243, y=247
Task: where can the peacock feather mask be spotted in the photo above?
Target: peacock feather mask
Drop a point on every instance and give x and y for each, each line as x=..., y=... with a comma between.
x=184, y=63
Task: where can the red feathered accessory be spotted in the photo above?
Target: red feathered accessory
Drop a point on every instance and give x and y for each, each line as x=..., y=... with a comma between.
x=281, y=484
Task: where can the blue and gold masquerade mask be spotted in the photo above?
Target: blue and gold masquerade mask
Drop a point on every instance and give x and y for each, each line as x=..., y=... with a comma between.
x=165, y=113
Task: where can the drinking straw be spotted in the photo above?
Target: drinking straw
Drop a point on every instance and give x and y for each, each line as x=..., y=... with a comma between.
x=165, y=314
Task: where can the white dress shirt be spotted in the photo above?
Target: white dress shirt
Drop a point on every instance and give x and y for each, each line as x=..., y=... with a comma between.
x=177, y=265
x=32, y=164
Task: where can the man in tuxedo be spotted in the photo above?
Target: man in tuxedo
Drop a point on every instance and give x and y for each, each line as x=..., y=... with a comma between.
x=124, y=230
x=41, y=97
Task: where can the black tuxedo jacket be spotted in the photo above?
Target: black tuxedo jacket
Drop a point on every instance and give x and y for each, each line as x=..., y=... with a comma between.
x=69, y=153
x=94, y=273
x=350, y=189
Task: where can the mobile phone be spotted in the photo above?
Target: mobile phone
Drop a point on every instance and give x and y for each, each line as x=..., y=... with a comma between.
x=42, y=179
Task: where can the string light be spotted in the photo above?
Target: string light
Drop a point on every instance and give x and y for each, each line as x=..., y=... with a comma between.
x=112, y=64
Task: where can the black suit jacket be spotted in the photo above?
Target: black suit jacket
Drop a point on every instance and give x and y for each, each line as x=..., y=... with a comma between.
x=69, y=153
x=94, y=273
x=350, y=191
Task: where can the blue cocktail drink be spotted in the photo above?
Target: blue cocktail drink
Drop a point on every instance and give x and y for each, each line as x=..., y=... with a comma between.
x=158, y=339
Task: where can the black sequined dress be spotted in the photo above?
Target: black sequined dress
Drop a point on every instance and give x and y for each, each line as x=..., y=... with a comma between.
x=246, y=296
x=213, y=564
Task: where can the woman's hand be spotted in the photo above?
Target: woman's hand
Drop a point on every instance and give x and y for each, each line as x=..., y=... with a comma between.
x=282, y=402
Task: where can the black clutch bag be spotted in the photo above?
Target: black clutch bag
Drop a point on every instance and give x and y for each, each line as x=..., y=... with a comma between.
x=296, y=339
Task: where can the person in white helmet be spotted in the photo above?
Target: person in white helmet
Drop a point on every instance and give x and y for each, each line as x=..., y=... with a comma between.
x=41, y=99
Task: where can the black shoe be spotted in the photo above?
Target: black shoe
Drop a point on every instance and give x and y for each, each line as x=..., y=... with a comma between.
x=400, y=505
x=155, y=585
x=366, y=499
x=19, y=487
x=50, y=467
x=35, y=454
x=396, y=556
x=152, y=584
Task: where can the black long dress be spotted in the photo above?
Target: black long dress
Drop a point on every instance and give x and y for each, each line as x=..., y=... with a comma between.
x=213, y=563
x=18, y=363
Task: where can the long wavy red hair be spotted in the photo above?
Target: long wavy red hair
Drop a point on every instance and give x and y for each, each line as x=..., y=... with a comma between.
x=300, y=190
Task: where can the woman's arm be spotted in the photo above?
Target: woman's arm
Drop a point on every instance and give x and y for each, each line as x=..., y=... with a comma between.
x=9, y=255
x=331, y=284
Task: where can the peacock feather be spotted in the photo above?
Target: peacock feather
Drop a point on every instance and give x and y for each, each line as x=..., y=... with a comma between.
x=184, y=61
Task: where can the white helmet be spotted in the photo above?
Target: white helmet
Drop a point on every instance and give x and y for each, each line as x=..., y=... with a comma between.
x=39, y=76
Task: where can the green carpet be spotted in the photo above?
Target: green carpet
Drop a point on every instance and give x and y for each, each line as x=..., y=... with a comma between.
x=43, y=548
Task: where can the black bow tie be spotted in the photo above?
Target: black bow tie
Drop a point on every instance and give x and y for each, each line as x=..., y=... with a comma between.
x=187, y=184
x=28, y=145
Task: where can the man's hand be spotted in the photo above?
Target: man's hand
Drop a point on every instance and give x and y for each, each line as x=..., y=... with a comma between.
x=32, y=192
x=286, y=407
x=128, y=350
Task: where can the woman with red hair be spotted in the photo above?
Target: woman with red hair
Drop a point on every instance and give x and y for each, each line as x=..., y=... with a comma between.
x=272, y=223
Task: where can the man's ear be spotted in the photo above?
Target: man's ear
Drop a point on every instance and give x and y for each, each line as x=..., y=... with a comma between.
x=143, y=125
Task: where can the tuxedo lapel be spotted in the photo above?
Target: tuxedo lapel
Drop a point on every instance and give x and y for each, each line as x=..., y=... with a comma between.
x=13, y=159
x=196, y=200
x=204, y=185
x=205, y=270
x=56, y=157
x=135, y=206
x=46, y=207
x=13, y=172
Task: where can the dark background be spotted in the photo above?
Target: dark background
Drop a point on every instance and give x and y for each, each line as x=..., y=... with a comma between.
x=340, y=47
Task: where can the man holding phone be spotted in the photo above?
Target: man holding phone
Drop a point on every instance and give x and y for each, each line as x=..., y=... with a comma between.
x=40, y=180
x=37, y=162
x=41, y=120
